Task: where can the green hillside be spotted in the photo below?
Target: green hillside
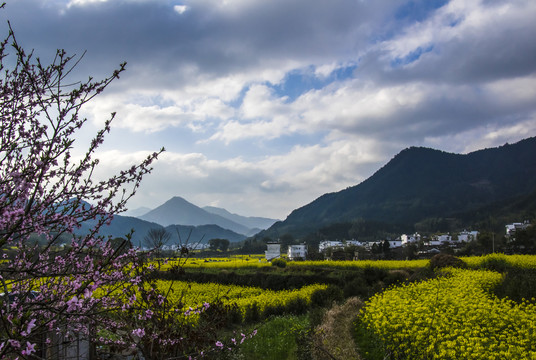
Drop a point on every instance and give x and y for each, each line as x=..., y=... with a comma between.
x=422, y=183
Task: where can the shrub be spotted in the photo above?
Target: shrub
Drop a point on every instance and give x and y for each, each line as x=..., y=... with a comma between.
x=495, y=262
x=444, y=260
x=327, y=296
x=395, y=277
x=357, y=287
x=273, y=310
x=252, y=313
x=297, y=306
x=279, y=263
x=374, y=274
x=518, y=284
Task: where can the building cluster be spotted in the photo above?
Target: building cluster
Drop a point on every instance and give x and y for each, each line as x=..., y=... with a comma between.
x=512, y=228
x=403, y=240
x=294, y=252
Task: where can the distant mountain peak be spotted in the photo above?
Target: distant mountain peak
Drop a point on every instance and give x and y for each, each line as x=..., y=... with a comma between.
x=179, y=211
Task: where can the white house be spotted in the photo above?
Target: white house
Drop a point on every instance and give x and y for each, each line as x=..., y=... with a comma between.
x=467, y=236
x=329, y=244
x=407, y=239
x=297, y=252
x=512, y=228
x=395, y=243
x=352, y=243
x=273, y=251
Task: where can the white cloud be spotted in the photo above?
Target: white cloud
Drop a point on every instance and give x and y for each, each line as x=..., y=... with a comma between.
x=180, y=9
x=83, y=2
x=217, y=85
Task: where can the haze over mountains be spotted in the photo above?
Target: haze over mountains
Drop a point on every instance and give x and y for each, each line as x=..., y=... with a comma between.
x=422, y=186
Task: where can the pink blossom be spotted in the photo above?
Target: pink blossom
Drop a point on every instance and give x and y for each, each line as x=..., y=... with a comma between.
x=14, y=343
x=30, y=348
x=138, y=332
x=148, y=314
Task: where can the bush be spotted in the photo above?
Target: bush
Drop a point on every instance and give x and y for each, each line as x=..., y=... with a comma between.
x=297, y=306
x=495, y=262
x=518, y=284
x=326, y=297
x=273, y=310
x=373, y=274
x=396, y=276
x=357, y=287
x=279, y=263
x=252, y=313
x=444, y=260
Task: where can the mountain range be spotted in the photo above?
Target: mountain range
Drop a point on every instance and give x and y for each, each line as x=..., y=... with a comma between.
x=178, y=211
x=184, y=221
x=122, y=225
x=422, y=185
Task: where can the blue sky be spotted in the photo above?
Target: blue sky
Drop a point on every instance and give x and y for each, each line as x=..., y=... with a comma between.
x=263, y=106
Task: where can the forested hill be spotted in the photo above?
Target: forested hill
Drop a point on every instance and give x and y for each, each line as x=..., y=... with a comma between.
x=421, y=183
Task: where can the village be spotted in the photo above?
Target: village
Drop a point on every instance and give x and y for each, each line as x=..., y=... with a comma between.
x=416, y=245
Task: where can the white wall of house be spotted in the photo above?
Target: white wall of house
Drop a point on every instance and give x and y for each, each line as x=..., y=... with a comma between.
x=297, y=251
x=273, y=251
x=467, y=235
x=329, y=244
x=512, y=228
x=407, y=239
x=443, y=238
x=395, y=243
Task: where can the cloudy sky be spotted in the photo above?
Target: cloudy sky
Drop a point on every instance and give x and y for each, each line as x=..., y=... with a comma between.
x=263, y=106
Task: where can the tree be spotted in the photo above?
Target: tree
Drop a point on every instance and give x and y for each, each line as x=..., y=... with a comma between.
x=156, y=238
x=120, y=245
x=386, y=247
x=46, y=193
x=224, y=244
x=218, y=244
x=286, y=240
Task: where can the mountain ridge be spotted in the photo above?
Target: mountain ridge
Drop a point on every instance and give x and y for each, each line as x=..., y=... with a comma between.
x=178, y=211
x=418, y=183
x=252, y=222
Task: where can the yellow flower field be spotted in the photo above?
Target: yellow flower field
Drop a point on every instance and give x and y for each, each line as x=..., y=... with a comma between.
x=521, y=261
x=382, y=264
x=257, y=261
x=223, y=263
x=195, y=294
x=452, y=317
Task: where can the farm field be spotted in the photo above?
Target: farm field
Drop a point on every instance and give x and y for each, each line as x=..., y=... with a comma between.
x=193, y=295
x=258, y=261
x=452, y=317
x=410, y=311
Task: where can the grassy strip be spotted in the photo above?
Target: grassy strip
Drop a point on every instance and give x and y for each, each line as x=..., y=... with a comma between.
x=276, y=339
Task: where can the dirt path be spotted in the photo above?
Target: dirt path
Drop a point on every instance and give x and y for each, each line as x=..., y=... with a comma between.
x=333, y=338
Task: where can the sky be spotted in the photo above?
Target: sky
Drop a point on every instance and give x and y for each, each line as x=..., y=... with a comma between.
x=263, y=106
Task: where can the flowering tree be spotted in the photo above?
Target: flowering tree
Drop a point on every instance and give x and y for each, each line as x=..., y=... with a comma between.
x=55, y=284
